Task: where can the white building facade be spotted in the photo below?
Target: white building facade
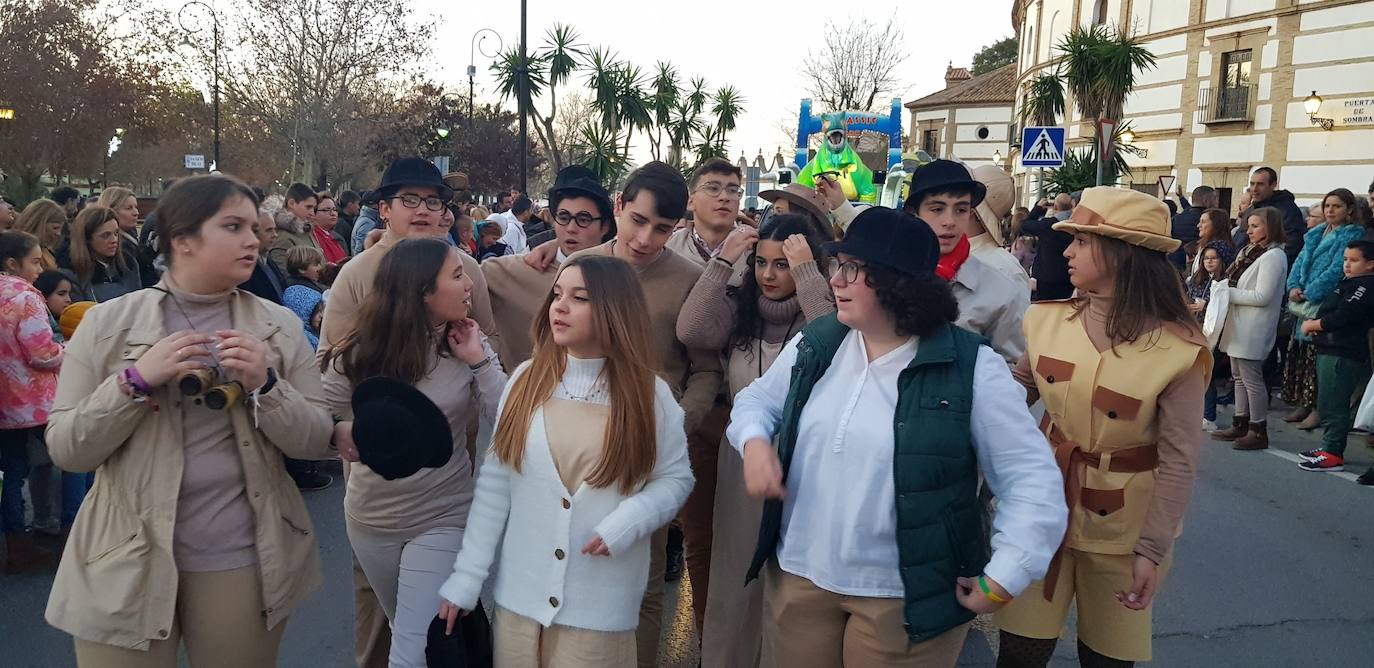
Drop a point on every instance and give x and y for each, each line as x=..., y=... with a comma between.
x=969, y=120
x=1228, y=91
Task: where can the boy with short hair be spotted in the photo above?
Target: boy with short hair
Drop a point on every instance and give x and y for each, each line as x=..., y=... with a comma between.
x=1340, y=333
x=489, y=244
x=293, y=223
x=305, y=266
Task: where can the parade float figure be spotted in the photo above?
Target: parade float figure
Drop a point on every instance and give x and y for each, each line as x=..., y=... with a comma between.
x=837, y=159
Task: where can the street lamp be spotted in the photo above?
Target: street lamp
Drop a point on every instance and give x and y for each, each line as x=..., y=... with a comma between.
x=6, y=112
x=1127, y=137
x=1312, y=105
x=105, y=162
x=473, y=47
x=997, y=157
x=215, y=47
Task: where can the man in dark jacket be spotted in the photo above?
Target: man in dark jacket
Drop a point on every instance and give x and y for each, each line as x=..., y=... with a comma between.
x=1263, y=192
x=1340, y=334
x=1184, y=225
x=267, y=280
x=1051, y=270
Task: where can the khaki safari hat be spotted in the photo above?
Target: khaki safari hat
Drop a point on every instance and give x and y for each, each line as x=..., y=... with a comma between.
x=997, y=203
x=1121, y=213
x=801, y=197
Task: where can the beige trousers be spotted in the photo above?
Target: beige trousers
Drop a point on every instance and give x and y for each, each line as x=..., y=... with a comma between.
x=651, y=610
x=218, y=615
x=733, y=632
x=522, y=642
x=809, y=627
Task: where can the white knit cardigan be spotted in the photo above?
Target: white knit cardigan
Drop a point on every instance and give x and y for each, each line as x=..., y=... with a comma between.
x=543, y=574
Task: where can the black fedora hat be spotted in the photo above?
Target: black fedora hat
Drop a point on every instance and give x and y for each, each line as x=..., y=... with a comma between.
x=891, y=238
x=412, y=172
x=576, y=180
x=944, y=176
x=397, y=429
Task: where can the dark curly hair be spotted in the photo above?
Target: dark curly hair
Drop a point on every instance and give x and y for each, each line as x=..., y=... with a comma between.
x=748, y=323
x=918, y=304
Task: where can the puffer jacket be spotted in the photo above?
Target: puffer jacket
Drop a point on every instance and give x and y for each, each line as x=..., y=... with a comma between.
x=117, y=583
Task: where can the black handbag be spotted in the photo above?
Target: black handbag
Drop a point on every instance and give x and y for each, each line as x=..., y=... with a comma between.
x=470, y=646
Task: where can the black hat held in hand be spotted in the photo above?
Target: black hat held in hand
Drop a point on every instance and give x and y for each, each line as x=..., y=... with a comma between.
x=891, y=238
x=942, y=176
x=470, y=646
x=397, y=429
x=416, y=172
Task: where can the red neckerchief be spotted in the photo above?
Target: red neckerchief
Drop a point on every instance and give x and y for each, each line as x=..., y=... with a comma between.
x=949, y=264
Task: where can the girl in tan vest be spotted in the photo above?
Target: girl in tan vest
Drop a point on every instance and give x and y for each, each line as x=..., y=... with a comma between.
x=1121, y=370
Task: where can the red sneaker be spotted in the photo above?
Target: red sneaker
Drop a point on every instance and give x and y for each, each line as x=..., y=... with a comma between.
x=1324, y=461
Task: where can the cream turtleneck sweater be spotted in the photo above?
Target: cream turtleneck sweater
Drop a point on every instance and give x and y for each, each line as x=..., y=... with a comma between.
x=215, y=523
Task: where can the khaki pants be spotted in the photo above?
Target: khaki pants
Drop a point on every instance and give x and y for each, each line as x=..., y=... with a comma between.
x=1106, y=626
x=703, y=449
x=807, y=627
x=651, y=610
x=218, y=615
x=522, y=642
x=405, y=573
x=733, y=629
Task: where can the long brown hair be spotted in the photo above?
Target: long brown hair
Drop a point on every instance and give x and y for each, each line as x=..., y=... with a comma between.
x=393, y=337
x=79, y=250
x=620, y=316
x=1147, y=292
x=113, y=197
x=38, y=218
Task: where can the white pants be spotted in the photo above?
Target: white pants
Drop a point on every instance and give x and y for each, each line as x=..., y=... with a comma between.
x=406, y=572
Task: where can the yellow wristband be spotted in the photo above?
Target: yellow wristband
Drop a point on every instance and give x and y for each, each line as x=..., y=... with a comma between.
x=983, y=584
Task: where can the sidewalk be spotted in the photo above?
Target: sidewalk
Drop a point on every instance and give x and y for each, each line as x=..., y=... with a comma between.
x=1286, y=441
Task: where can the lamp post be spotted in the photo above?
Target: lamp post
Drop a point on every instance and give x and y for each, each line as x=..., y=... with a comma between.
x=524, y=74
x=105, y=161
x=214, y=18
x=997, y=157
x=473, y=48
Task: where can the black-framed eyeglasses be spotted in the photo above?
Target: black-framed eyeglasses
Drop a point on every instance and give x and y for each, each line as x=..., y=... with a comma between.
x=412, y=201
x=584, y=220
x=848, y=270
x=715, y=189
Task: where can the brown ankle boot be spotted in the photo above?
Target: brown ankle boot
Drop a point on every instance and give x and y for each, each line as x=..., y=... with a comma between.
x=1256, y=439
x=1298, y=414
x=25, y=556
x=1312, y=421
x=1240, y=424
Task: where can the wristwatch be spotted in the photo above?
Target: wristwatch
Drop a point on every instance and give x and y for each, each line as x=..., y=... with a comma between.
x=271, y=381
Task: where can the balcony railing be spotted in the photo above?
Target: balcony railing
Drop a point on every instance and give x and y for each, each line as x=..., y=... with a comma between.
x=1229, y=104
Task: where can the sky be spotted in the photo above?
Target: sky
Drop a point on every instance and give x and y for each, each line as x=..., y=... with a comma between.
x=756, y=46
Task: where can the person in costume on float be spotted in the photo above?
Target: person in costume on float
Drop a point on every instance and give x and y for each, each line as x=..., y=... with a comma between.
x=872, y=544
x=838, y=162
x=1121, y=370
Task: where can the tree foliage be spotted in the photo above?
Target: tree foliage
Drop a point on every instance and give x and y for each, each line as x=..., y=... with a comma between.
x=856, y=66
x=998, y=54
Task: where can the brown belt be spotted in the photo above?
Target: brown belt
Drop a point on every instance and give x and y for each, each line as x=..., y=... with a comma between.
x=1072, y=460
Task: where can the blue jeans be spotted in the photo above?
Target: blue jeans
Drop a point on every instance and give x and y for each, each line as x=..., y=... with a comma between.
x=1209, y=402
x=14, y=463
x=74, y=488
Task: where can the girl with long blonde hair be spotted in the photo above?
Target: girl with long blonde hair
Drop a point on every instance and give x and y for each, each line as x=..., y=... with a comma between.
x=588, y=460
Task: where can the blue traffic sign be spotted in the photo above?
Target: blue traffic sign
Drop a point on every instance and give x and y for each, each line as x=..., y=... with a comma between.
x=1042, y=146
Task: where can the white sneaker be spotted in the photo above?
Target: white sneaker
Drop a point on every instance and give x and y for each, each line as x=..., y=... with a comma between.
x=1209, y=425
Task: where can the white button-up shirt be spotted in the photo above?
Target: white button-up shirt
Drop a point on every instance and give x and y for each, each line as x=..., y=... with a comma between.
x=839, y=526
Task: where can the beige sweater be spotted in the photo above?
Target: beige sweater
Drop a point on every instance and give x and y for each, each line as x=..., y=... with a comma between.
x=517, y=293
x=355, y=282
x=708, y=315
x=683, y=244
x=694, y=375
x=438, y=497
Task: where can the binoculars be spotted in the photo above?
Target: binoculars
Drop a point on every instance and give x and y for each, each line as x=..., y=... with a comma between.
x=202, y=383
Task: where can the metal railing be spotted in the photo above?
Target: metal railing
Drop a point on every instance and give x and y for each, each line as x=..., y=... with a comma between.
x=1228, y=104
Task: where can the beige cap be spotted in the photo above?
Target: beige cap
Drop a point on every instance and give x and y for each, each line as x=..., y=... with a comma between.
x=1001, y=195
x=1125, y=214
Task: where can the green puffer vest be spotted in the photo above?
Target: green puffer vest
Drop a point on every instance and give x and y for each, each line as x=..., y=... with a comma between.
x=935, y=470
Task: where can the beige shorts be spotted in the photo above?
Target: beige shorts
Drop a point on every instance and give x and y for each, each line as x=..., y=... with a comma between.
x=1109, y=628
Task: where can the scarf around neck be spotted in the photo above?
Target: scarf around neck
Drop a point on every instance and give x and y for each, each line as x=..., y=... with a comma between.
x=950, y=263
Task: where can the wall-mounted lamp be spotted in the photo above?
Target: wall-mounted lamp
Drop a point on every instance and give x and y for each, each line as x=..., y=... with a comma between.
x=1312, y=105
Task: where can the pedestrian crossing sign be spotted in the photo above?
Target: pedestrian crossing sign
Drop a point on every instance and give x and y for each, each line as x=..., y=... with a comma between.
x=1042, y=146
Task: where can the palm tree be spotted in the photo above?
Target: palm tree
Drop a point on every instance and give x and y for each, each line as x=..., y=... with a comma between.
x=683, y=125
x=562, y=54
x=598, y=149
x=602, y=80
x=696, y=98
x=663, y=102
x=1043, y=102
x=728, y=105
x=711, y=144
x=1100, y=66
x=633, y=107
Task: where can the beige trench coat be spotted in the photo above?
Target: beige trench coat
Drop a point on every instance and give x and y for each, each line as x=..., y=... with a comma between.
x=117, y=582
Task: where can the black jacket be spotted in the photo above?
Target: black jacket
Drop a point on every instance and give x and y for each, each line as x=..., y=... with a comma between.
x=1294, y=226
x=1347, y=314
x=1184, y=228
x=267, y=281
x=1051, y=269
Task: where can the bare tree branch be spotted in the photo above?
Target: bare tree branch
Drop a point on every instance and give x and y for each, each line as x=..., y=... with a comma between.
x=856, y=68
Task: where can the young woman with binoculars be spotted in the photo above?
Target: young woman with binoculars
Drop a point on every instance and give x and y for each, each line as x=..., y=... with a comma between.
x=183, y=399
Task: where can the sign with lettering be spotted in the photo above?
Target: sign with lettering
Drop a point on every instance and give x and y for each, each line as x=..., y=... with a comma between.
x=1354, y=111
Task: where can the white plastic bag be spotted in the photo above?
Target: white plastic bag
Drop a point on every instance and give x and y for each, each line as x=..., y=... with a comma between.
x=1215, y=317
x=1364, y=418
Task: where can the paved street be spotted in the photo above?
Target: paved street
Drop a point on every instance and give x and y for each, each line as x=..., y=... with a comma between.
x=1275, y=568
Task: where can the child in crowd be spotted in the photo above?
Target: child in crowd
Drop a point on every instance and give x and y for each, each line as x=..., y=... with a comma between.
x=489, y=233
x=56, y=287
x=305, y=266
x=1340, y=334
x=308, y=305
x=1216, y=258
